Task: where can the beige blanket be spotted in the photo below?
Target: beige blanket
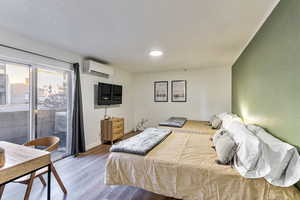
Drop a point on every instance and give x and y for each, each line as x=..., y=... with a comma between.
x=183, y=166
x=193, y=126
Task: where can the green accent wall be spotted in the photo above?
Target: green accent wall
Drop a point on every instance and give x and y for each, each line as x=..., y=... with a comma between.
x=266, y=77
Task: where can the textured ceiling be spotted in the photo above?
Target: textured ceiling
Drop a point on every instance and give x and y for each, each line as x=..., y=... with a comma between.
x=192, y=33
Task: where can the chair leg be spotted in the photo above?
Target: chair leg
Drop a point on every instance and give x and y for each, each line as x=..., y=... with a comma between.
x=59, y=181
x=29, y=186
x=1, y=190
x=42, y=180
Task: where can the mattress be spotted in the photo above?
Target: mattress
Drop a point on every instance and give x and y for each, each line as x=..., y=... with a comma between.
x=183, y=166
x=193, y=126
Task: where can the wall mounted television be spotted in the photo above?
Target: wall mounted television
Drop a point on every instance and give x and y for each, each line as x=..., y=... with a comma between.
x=109, y=94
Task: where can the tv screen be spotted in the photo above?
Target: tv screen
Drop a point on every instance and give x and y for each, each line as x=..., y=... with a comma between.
x=104, y=94
x=109, y=94
x=116, y=94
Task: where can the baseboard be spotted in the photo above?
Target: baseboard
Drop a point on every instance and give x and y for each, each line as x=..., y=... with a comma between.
x=92, y=145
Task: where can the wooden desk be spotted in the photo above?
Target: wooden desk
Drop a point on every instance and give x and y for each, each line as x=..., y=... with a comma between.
x=21, y=161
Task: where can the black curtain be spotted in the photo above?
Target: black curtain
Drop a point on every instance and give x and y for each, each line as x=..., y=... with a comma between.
x=78, y=140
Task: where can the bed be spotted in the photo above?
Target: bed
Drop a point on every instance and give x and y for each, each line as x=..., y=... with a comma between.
x=183, y=166
x=193, y=126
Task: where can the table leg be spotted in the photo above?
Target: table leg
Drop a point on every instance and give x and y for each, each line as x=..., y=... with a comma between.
x=49, y=183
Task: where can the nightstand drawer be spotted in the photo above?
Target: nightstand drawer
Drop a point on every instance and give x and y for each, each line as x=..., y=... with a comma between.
x=117, y=119
x=117, y=124
x=117, y=136
x=117, y=130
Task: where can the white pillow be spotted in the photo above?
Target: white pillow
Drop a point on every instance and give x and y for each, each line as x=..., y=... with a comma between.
x=217, y=135
x=211, y=120
x=222, y=115
x=225, y=148
x=216, y=123
x=228, y=119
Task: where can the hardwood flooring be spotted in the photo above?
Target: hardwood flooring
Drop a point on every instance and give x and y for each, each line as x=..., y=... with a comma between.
x=83, y=178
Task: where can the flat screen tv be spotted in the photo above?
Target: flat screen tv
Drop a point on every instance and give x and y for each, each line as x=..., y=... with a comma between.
x=109, y=94
x=116, y=96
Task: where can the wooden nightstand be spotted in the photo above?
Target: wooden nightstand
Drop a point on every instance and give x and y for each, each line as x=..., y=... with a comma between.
x=112, y=129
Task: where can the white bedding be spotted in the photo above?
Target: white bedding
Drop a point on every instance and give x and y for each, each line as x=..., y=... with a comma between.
x=282, y=158
x=248, y=160
x=262, y=155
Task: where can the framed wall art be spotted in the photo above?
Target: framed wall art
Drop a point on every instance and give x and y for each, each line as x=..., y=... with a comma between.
x=161, y=91
x=178, y=91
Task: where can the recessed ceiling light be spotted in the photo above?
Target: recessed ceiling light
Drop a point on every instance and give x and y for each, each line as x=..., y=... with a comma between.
x=156, y=53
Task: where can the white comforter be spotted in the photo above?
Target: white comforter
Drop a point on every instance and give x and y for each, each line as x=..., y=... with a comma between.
x=262, y=155
x=281, y=159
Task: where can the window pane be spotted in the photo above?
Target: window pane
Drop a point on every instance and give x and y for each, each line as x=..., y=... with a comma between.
x=18, y=84
x=14, y=100
x=52, y=96
x=52, y=89
x=3, y=87
x=2, y=68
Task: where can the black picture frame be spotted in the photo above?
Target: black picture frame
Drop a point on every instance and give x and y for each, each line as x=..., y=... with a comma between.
x=173, y=93
x=164, y=84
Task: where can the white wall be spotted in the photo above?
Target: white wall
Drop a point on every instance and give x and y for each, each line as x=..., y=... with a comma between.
x=208, y=93
x=92, y=114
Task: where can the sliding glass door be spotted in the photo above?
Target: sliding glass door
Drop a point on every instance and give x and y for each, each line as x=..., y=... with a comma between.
x=14, y=102
x=35, y=102
x=52, y=106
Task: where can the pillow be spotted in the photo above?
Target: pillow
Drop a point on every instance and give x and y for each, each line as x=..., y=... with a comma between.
x=216, y=123
x=226, y=149
x=217, y=135
x=211, y=119
x=228, y=119
x=222, y=115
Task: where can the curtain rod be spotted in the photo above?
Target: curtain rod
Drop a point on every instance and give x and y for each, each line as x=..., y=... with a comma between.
x=37, y=54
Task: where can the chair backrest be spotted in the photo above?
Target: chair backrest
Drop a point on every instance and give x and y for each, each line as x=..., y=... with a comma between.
x=50, y=142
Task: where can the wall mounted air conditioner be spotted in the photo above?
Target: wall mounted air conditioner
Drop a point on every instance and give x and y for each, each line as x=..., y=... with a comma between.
x=98, y=69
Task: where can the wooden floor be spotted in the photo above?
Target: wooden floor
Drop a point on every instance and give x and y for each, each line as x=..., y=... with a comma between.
x=83, y=178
